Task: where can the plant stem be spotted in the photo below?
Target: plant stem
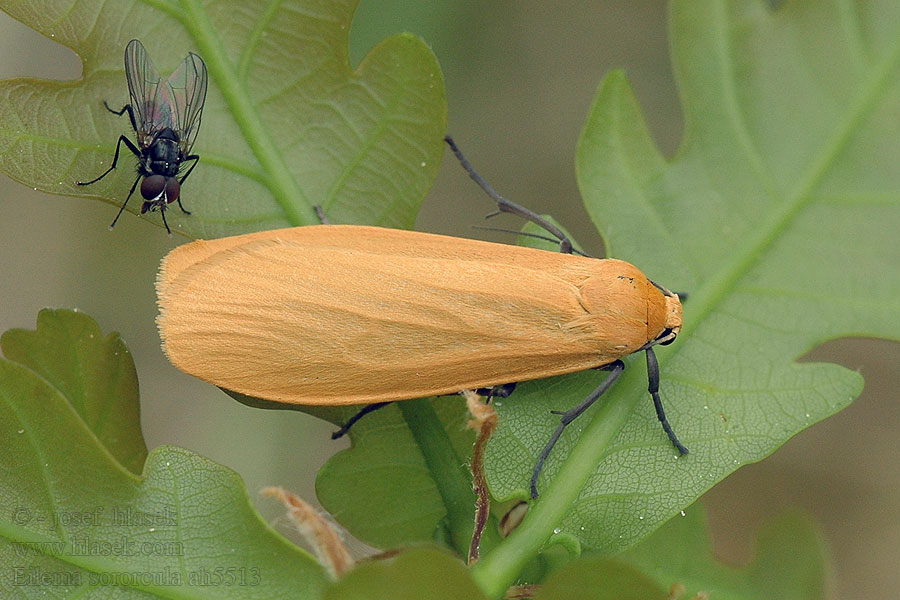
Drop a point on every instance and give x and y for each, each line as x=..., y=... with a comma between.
x=450, y=473
x=499, y=568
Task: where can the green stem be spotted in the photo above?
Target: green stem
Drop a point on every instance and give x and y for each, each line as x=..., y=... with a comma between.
x=499, y=568
x=449, y=471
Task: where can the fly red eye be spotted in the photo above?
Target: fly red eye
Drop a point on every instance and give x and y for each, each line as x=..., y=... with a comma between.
x=173, y=189
x=152, y=187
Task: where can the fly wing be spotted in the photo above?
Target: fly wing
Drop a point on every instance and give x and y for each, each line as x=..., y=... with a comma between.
x=185, y=93
x=144, y=87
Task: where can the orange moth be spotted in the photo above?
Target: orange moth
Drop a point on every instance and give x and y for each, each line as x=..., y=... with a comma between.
x=345, y=314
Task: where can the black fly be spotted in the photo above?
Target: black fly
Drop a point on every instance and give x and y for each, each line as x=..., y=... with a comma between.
x=165, y=115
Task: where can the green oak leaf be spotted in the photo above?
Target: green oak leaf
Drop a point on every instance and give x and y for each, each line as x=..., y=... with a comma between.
x=405, y=479
x=73, y=517
x=790, y=560
x=288, y=124
x=95, y=373
x=676, y=562
x=600, y=578
x=778, y=214
x=409, y=475
x=415, y=574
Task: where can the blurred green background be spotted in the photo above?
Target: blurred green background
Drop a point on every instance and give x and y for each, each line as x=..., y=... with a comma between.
x=520, y=77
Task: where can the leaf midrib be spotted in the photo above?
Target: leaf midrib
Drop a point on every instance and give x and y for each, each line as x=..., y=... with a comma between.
x=711, y=295
x=279, y=179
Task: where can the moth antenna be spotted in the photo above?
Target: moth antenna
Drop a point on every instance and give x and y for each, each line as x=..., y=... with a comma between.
x=538, y=236
x=508, y=206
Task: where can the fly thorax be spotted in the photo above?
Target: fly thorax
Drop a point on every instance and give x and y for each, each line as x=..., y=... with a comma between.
x=163, y=156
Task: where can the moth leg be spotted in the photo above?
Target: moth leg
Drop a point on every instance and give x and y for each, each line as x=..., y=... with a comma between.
x=508, y=206
x=497, y=391
x=653, y=388
x=320, y=212
x=616, y=369
x=363, y=412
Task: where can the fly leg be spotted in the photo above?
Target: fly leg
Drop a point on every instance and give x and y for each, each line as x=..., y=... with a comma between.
x=127, y=108
x=130, y=145
x=162, y=213
x=122, y=140
x=196, y=159
x=127, y=198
